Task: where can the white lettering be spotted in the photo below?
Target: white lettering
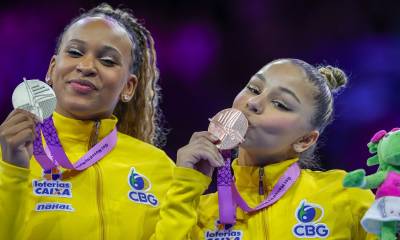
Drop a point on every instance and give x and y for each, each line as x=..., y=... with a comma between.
x=52, y=188
x=54, y=206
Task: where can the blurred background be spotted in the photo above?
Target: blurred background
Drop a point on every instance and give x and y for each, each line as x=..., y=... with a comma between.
x=208, y=50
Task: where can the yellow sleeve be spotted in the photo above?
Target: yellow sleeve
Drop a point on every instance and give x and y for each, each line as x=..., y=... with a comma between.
x=361, y=200
x=13, y=195
x=178, y=214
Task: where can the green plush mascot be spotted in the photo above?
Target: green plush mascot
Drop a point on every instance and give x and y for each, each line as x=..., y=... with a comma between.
x=383, y=217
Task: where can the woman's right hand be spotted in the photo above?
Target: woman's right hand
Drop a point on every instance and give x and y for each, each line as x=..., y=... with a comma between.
x=17, y=134
x=201, y=153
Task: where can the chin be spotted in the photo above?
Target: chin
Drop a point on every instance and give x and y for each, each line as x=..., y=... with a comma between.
x=257, y=145
x=249, y=145
x=79, y=111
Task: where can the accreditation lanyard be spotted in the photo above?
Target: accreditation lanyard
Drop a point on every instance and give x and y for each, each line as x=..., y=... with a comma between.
x=229, y=197
x=56, y=154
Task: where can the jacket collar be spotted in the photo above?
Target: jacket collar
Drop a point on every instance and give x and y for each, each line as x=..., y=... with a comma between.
x=249, y=176
x=80, y=130
x=247, y=179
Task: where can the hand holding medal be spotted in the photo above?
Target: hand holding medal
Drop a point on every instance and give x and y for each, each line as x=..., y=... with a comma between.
x=33, y=101
x=203, y=151
x=21, y=134
x=230, y=126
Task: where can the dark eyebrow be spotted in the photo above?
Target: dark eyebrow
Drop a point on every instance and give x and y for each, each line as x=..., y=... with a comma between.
x=283, y=89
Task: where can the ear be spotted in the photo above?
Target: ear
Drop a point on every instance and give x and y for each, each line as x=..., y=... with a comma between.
x=306, y=141
x=129, y=89
x=50, y=70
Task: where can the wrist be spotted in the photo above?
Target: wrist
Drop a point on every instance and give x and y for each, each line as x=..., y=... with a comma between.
x=185, y=164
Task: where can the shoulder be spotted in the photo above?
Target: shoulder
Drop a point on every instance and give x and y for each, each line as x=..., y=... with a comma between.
x=333, y=180
x=330, y=181
x=329, y=174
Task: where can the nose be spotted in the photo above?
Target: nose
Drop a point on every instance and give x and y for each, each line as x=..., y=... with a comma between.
x=255, y=104
x=87, y=66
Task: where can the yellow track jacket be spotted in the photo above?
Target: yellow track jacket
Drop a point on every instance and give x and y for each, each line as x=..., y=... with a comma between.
x=116, y=198
x=315, y=207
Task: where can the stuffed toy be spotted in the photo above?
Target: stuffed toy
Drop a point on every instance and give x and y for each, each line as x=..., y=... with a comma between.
x=383, y=217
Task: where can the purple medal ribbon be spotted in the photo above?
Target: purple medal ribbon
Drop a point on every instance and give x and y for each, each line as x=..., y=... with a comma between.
x=229, y=197
x=57, y=153
x=227, y=212
x=281, y=187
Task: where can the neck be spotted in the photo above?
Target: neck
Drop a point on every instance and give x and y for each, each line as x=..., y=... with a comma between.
x=247, y=158
x=82, y=116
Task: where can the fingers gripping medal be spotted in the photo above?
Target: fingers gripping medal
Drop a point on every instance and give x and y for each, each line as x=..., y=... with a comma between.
x=36, y=97
x=39, y=98
x=229, y=126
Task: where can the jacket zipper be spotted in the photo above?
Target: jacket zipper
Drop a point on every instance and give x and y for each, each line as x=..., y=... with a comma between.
x=261, y=181
x=100, y=200
x=99, y=189
x=94, y=135
x=261, y=192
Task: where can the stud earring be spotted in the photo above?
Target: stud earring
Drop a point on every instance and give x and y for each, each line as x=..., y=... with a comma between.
x=296, y=148
x=48, y=81
x=125, y=98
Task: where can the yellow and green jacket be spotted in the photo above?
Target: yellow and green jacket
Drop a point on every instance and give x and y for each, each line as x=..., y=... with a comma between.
x=116, y=198
x=315, y=207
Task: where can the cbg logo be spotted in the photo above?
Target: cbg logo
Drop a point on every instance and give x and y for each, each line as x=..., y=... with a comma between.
x=140, y=185
x=309, y=215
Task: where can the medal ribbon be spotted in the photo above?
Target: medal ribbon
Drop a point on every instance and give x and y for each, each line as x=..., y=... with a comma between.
x=57, y=153
x=229, y=197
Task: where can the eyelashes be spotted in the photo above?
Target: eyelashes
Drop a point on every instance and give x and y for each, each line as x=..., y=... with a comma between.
x=277, y=103
x=280, y=105
x=106, y=60
x=253, y=89
x=73, y=52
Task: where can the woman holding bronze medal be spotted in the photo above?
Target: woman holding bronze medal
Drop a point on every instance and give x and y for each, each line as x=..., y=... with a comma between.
x=274, y=194
x=96, y=174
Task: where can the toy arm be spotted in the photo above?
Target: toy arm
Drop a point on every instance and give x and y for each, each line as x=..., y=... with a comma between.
x=354, y=178
x=374, y=180
x=357, y=178
x=374, y=160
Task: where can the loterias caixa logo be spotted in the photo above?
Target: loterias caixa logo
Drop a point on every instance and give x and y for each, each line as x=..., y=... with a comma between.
x=223, y=232
x=51, y=185
x=309, y=216
x=141, y=186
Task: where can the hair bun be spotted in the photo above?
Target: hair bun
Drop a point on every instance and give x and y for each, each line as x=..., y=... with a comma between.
x=335, y=77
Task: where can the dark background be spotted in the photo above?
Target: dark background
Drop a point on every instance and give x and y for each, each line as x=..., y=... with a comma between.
x=208, y=50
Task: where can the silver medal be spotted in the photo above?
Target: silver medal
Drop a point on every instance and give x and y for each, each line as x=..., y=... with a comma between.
x=36, y=97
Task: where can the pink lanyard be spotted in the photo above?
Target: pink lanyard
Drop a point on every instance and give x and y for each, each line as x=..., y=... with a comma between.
x=57, y=153
x=228, y=195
